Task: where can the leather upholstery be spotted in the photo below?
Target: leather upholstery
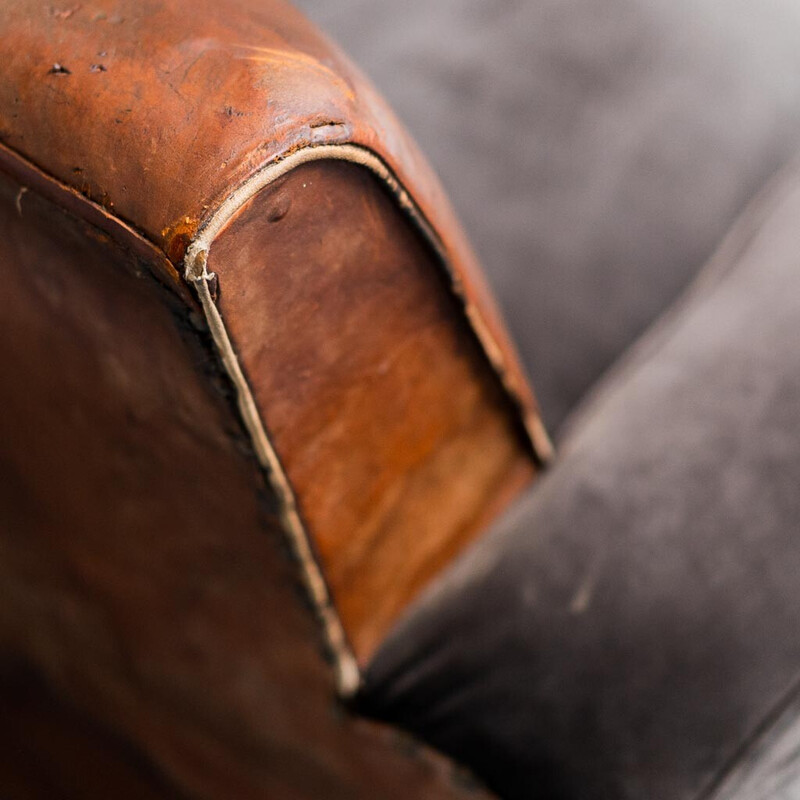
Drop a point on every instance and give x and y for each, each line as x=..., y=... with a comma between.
x=170, y=630
x=165, y=148
x=154, y=638
x=165, y=108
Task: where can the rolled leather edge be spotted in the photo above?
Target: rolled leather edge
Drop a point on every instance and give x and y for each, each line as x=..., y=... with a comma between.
x=160, y=115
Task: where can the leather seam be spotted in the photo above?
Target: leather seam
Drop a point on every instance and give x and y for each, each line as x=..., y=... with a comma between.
x=346, y=668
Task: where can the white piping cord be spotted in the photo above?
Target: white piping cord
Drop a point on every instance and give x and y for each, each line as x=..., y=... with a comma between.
x=347, y=673
x=346, y=667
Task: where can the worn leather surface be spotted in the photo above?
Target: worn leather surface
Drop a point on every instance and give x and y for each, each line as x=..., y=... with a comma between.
x=158, y=110
x=154, y=637
x=633, y=626
x=596, y=150
x=395, y=434
x=142, y=610
x=157, y=113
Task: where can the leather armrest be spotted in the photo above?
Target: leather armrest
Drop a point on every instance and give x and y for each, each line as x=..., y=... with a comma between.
x=240, y=306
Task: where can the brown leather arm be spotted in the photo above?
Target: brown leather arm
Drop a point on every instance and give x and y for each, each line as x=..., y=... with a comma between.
x=317, y=281
x=171, y=119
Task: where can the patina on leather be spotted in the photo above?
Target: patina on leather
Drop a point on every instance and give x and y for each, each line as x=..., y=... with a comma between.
x=129, y=131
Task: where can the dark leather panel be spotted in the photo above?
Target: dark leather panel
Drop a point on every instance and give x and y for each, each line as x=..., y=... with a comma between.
x=154, y=637
x=629, y=629
x=596, y=150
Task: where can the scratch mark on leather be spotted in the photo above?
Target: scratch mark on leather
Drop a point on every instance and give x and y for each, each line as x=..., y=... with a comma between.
x=18, y=200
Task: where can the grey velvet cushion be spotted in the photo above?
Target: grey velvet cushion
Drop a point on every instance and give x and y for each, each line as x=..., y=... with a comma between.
x=596, y=149
x=633, y=627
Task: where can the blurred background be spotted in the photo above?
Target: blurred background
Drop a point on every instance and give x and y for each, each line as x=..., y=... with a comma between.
x=595, y=150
